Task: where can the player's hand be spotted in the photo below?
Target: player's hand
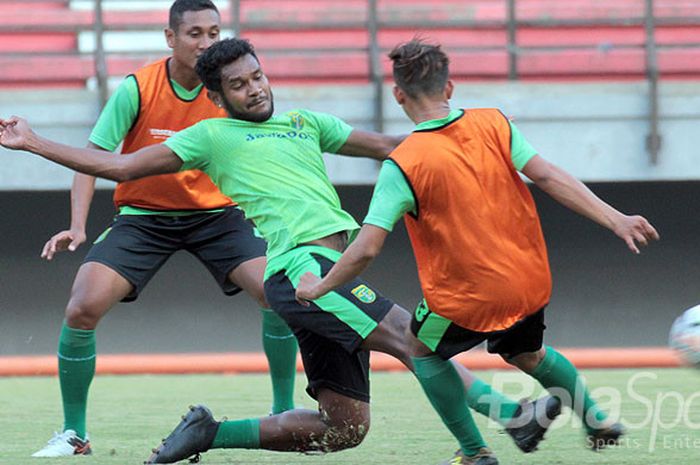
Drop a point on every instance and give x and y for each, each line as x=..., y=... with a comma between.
x=306, y=289
x=62, y=241
x=635, y=229
x=14, y=133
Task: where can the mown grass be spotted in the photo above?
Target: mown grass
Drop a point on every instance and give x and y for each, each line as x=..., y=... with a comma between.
x=129, y=414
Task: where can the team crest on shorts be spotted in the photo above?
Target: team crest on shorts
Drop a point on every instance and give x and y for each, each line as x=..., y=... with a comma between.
x=422, y=311
x=297, y=121
x=364, y=294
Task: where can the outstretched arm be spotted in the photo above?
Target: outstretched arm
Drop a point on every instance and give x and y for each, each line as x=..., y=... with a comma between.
x=16, y=134
x=370, y=144
x=573, y=194
x=354, y=260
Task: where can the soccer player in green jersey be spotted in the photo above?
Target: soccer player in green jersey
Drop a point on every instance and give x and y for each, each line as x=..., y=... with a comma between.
x=273, y=166
x=159, y=99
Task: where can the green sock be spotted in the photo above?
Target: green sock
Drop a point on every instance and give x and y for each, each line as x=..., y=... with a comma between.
x=445, y=390
x=556, y=371
x=76, y=368
x=238, y=434
x=487, y=401
x=280, y=347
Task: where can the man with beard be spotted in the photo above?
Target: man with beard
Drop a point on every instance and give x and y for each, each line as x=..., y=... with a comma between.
x=273, y=166
x=156, y=218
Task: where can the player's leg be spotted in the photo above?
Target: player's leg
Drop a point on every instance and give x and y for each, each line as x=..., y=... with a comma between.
x=438, y=340
x=337, y=379
x=95, y=290
x=391, y=336
x=227, y=245
x=340, y=423
x=443, y=385
x=117, y=267
x=523, y=348
x=278, y=341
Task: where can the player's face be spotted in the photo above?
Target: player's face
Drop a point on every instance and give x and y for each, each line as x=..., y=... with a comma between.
x=246, y=94
x=198, y=30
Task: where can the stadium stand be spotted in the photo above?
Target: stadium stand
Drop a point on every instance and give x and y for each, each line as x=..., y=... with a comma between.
x=328, y=42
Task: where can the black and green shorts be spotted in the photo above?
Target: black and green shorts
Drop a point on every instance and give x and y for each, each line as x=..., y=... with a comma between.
x=447, y=339
x=136, y=246
x=331, y=329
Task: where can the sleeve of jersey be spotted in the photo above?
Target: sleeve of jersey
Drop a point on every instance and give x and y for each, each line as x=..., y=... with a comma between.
x=392, y=198
x=333, y=131
x=192, y=146
x=117, y=117
x=520, y=149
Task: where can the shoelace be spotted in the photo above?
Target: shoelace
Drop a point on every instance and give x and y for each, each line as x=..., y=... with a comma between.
x=56, y=437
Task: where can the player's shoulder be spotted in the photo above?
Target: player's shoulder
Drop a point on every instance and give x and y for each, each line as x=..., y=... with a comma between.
x=151, y=68
x=486, y=113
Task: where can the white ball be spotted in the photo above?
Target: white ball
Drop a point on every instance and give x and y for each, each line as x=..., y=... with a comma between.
x=685, y=336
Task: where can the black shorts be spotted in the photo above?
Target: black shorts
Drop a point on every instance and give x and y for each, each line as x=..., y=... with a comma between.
x=331, y=329
x=447, y=339
x=136, y=246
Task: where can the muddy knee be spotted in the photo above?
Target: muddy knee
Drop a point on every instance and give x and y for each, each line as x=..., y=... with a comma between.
x=347, y=422
x=344, y=436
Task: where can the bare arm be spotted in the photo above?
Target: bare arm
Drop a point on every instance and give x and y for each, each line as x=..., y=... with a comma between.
x=573, y=194
x=81, y=195
x=370, y=144
x=16, y=134
x=354, y=260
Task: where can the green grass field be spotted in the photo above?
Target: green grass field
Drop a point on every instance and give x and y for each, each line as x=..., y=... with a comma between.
x=129, y=414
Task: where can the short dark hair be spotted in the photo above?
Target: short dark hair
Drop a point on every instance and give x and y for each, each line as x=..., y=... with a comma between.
x=180, y=7
x=217, y=56
x=420, y=68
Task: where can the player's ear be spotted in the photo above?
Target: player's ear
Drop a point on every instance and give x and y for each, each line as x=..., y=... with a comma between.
x=399, y=95
x=216, y=98
x=449, y=88
x=169, y=37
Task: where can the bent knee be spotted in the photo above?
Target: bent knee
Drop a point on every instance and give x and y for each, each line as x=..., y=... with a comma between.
x=81, y=316
x=259, y=296
x=526, y=361
x=347, y=436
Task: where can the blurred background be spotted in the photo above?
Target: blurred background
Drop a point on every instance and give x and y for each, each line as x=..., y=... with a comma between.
x=610, y=91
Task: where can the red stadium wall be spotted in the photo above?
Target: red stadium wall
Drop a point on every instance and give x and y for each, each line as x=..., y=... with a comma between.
x=325, y=41
x=27, y=52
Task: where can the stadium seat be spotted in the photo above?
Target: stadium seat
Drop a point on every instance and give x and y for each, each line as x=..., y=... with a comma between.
x=327, y=42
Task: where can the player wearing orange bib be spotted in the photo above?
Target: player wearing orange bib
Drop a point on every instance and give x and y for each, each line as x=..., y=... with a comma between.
x=469, y=199
x=481, y=256
x=161, y=113
x=158, y=216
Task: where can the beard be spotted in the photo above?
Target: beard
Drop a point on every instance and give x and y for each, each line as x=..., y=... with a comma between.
x=247, y=116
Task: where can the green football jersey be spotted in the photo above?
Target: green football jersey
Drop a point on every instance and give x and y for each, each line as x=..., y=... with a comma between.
x=274, y=170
